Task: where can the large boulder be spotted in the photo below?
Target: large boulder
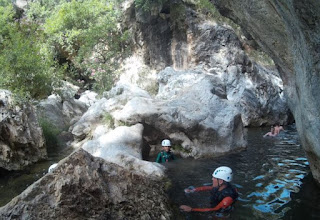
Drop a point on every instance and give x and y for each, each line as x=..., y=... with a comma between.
x=256, y=90
x=123, y=146
x=192, y=111
x=61, y=109
x=289, y=32
x=86, y=187
x=61, y=113
x=21, y=139
x=99, y=112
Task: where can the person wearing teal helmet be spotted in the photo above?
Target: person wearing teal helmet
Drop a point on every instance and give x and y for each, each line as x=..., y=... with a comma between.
x=165, y=155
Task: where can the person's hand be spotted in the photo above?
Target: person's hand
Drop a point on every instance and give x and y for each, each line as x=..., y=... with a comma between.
x=190, y=189
x=185, y=208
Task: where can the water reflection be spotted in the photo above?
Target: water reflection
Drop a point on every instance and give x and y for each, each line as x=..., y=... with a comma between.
x=15, y=182
x=266, y=174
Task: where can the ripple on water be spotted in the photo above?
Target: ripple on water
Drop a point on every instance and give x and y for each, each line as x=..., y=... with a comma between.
x=266, y=175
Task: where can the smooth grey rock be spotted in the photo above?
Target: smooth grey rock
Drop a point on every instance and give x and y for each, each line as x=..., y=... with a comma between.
x=189, y=113
x=123, y=146
x=61, y=113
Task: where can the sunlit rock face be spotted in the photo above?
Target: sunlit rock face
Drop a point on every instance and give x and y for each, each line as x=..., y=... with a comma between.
x=99, y=113
x=62, y=110
x=21, y=139
x=256, y=90
x=196, y=118
x=192, y=110
x=289, y=31
x=176, y=35
x=123, y=146
x=59, y=112
x=86, y=187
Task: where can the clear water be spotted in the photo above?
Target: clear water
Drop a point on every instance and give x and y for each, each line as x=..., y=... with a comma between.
x=272, y=176
x=14, y=183
x=269, y=176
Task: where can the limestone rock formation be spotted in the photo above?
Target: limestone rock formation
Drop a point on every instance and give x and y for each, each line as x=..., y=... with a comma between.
x=99, y=112
x=176, y=35
x=62, y=109
x=190, y=112
x=61, y=113
x=244, y=92
x=21, y=139
x=289, y=32
x=85, y=187
x=123, y=146
x=255, y=89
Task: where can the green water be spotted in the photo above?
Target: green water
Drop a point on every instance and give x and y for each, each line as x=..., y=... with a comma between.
x=14, y=183
x=272, y=176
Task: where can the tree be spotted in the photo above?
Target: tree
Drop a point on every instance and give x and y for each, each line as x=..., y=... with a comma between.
x=26, y=65
x=87, y=34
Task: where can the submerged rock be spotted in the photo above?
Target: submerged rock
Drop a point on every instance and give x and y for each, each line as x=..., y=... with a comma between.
x=85, y=187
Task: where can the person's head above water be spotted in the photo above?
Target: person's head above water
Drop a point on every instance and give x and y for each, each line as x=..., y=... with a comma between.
x=223, y=173
x=166, y=144
x=272, y=129
x=223, y=194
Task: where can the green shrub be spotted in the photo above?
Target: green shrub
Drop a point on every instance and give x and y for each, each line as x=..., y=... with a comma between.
x=87, y=34
x=179, y=148
x=40, y=10
x=82, y=36
x=50, y=132
x=147, y=5
x=108, y=120
x=26, y=65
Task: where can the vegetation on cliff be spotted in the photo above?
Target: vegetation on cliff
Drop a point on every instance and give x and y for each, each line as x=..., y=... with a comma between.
x=78, y=41
x=71, y=40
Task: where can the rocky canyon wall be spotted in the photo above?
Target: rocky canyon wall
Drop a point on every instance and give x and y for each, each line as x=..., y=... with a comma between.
x=289, y=31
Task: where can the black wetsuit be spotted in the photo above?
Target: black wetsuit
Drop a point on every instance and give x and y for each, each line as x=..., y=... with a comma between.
x=217, y=196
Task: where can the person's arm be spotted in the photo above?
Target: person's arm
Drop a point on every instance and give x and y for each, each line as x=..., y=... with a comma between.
x=225, y=203
x=203, y=188
x=198, y=189
x=270, y=134
x=158, y=160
